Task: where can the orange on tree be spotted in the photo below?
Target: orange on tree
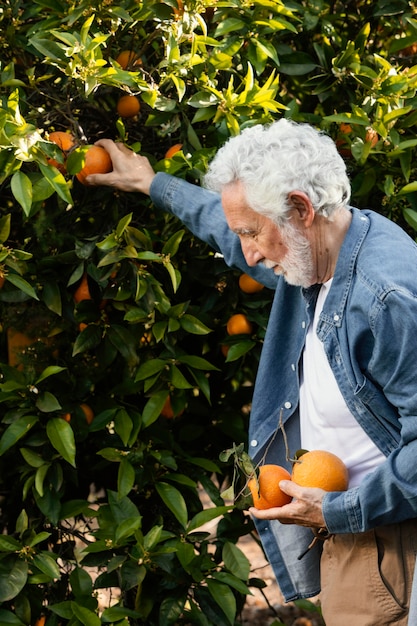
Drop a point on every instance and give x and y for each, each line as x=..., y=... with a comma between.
x=88, y=412
x=168, y=411
x=371, y=136
x=64, y=140
x=173, y=150
x=320, y=468
x=345, y=128
x=265, y=489
x=41, y=621
x=127, y=59
x=83, y=291
x=128, y=106
x=97, y=161
x=239, y=324
x=249, y=285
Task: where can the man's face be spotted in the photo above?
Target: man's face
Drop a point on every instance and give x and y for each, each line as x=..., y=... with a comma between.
x=286, y=250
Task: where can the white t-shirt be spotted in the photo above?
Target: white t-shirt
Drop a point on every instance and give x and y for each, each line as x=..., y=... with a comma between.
x=326, y=422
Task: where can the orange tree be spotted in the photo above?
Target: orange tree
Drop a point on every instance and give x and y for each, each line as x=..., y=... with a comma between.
x=119, y=383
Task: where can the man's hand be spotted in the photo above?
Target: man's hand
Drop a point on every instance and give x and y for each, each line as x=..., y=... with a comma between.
x=304, y=510
x=131, y=172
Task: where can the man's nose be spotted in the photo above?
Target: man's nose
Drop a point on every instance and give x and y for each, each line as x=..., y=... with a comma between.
x=251, y=252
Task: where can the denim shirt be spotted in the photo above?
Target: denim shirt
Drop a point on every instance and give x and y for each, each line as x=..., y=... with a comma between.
x=368, y=327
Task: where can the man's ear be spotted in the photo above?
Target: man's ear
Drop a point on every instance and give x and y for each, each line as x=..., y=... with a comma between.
x=304, y=211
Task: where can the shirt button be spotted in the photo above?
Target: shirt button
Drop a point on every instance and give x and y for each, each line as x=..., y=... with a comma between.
x=293, y=367
x=336, y=318
x=253, y=443
x=303, y=324
x=287, y=405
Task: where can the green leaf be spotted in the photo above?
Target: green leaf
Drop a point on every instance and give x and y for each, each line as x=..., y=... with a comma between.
x=4, y=228
x=125, y=478
x=61, y=436
x=171, y=609
x=117, y=613
x=46, y=564
x=152, y=409
x=237, y=350
x=174, y=500
x=22, y=284
x=197, y=362
x=193, y=325
x=85, y=616
x=32, y=458
x=123, y=425
x=16, y=431
x=57, y=182
x=235, y=561
x=224, y=597
x=127, y=528
x=47, y=402
x=21, y=187
x=6, y=618
x=13, y=577
x=51, y=370
x=9, y=544
x=206, y=516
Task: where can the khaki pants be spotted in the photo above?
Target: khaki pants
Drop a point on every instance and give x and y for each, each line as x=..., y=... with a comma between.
x=366, y=578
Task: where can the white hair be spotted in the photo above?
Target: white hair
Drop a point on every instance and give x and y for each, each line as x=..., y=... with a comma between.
x=272, y=161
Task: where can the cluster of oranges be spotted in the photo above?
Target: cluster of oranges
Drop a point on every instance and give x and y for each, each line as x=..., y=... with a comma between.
x=128, y=105
x=317, y=468
x=97, y=160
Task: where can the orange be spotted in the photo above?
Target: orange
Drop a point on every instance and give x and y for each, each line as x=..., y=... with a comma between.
x=173, y=150
x=249, y=284
x=65, y=141
x=83, y=291
x=127, y=59
x=319, y=468
x=168, y=411
x=371, y=136
x=88, y=412
x=345, y=128
x=239, y=324
x=66, y=417
x=128, y=106
x=97, y=161
x=265, y=490
x=40, y=621
x=224, y=349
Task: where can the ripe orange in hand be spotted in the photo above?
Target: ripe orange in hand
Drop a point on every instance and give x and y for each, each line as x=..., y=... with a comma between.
x=128, y=106
x=239, y=324
x=319, y=468
x=173, y=150
x=97, y=161
x=249, y=285
x=265, y=490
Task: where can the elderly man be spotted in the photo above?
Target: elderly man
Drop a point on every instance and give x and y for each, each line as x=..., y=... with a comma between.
x=338, y=361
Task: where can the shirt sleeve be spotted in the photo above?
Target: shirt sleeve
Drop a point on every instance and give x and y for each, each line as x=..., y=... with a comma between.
x=201, y=211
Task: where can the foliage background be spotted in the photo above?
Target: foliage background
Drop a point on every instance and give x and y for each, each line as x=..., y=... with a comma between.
x=128, y=484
